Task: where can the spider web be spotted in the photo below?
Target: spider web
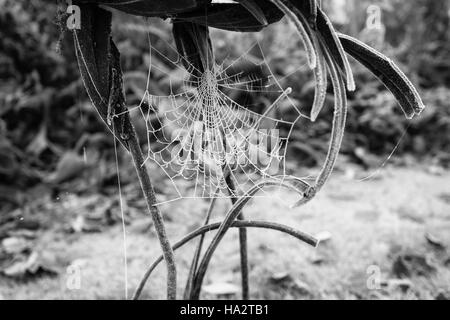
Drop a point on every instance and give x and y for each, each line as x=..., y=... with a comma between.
x=216, y=126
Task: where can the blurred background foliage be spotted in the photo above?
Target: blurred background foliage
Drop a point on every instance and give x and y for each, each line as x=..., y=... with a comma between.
x=47, y=123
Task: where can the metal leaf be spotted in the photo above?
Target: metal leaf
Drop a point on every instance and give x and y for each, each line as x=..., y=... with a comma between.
x=388, y=73
x=193, y=43
x=151, y=8
x=233, y=17
x=255, y=10
x=331, y=39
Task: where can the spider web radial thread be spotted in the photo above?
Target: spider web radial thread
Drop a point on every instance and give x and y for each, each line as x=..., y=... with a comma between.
x=200, y=132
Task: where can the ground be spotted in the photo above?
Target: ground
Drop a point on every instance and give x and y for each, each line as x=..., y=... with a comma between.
x=386, y=237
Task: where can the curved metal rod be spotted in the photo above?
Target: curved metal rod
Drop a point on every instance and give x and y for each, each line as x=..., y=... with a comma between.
x=337, y=131
x=326, y=46
x=227, y=223
x=243, y=246
x=198, y=250
x=97, y=55
x=303, y=29
x=308, y=239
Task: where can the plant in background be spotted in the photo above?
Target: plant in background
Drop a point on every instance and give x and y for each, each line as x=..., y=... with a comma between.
x=99, y=62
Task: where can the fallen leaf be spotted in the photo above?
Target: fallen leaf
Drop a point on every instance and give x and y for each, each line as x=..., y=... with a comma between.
x=39, y=144
x=78, y=263
x=280, y=277
x=31, y=266
x=445, y=197
x=366, y=158
x=447, y=262
x=80, y=225
x=408, y=265
x=323, y=236
x=318, y=259
x=302, y=288
x=10, y=195
x=443, y=296
x=403, y=284
x=221, y=289
x=411, y=214
x=15, y=245
x=23, y=233
x=285, y=281
x=434, y=241
x=70, y=165
x=142, y=226
x=436, y=170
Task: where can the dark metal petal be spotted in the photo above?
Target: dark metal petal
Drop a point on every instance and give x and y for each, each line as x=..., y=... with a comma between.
x=388, y=73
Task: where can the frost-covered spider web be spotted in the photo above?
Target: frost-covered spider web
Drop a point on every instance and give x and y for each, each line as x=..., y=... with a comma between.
x=223, y=129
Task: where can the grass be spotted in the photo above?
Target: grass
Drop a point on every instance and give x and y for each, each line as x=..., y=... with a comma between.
x=371, y=223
